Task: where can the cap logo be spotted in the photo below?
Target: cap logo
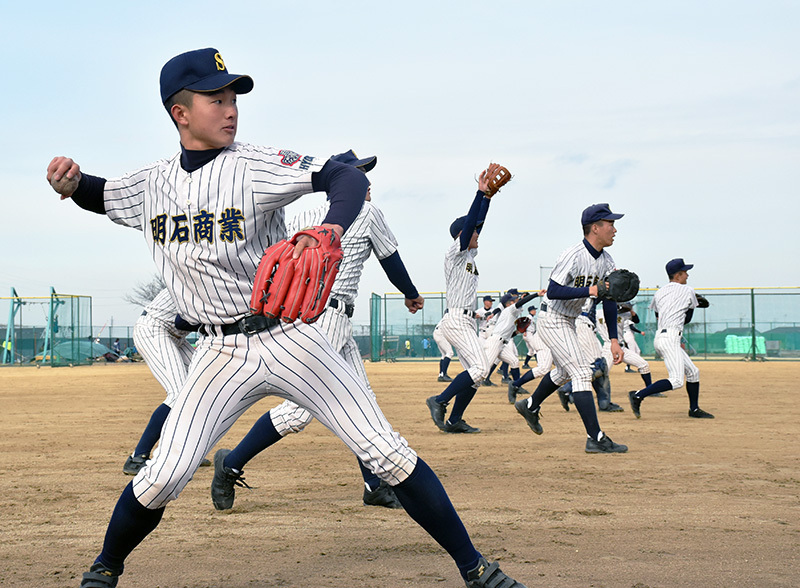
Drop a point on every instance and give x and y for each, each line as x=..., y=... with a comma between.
x=220, y=63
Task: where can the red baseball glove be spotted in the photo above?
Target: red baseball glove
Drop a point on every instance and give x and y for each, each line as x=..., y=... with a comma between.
x=297, y=288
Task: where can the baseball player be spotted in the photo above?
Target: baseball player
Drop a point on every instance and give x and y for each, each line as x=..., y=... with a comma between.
x=458, y=323
x=207, y=214
x=574, y=278
x=514, y=294
x=486, y=318
x=532, y=342
x=160, y=337
x=632, y=354
x=446, y=350
x=674, y=306
x=368, y=234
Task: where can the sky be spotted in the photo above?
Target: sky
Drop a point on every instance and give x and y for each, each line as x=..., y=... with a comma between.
x=683, y=115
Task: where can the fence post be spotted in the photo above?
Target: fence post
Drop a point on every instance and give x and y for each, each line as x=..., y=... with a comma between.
x=753, y=321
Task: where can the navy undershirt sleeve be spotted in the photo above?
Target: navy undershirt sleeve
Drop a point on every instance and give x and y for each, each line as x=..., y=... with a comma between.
x=556, y=291
x=610, y=312
x=525, y=299
x=346, y=187
x=689, y=315
x=89, y=193
x=398, y=275
x=475, y=217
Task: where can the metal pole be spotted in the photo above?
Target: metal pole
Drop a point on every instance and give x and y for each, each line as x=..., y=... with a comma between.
x=753, y=320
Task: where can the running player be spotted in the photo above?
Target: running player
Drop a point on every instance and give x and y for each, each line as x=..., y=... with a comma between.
x=458, y=323
x=368, y=234
x=446, y=350
x=674, y=306
x=210, y=211
x=574, y=279
x=160, y=338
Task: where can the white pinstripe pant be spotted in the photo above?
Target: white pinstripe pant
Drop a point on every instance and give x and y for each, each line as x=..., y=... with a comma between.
x=630, y=341
x=288, y=417
x=441, y=342
x=498, y=350
x=166, y=352
x=676, y=360
x=231, y=373
x=544, y=358
x=558, y=334
x=459, y=330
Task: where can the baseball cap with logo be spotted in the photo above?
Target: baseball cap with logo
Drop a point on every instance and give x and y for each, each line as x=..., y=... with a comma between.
x=505, y=299
x=458, y=224
x=488, y=299
x=201, y=70
x=677, y=265
x=598, y=212
x=350, y=158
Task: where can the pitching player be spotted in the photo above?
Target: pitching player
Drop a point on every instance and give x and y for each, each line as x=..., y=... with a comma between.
x=632, y=355
x=458, y=323
x=160, y=337
x=368, y=234
x=446, y=350
x=574, y=279
x=674, y=306
x=207, y=215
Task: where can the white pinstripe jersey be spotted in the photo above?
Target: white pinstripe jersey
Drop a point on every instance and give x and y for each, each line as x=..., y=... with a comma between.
x=671, y=303
x=577, y=268
x=505, y=325
x=368, y=233
x=208, y=229
x=461, y=276
x=162, y=308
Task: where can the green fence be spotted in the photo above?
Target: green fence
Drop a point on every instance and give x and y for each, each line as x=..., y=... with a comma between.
x=740, y=323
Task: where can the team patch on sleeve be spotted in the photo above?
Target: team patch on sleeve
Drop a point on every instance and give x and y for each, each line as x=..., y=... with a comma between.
x=289, y=158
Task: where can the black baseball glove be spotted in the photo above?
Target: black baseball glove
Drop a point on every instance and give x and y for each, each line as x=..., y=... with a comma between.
x=620, y=285
x=702, y=301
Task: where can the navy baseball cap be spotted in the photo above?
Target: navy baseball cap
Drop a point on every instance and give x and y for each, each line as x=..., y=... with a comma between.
x=202, y=70
x=677, y=265
x=488, y=299
x=350, y=158
x=513, y=292
x=458, y=224
x=598, y=212
x=531, y=307
x=505, y=299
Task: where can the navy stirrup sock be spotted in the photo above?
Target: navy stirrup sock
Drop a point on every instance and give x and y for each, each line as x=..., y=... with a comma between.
x=152, y=432
x=262, y=435
x=648, y=379
x=655, y=388
x=526, y=377
x=585, y=404
x=514, y=373
x=425, y=501
x=461, y=382
x=444, y=364
x=693, y=390
x=545, y=388
x=371, y=480
x=129, y=525
x=463, y=399
x=504, y=369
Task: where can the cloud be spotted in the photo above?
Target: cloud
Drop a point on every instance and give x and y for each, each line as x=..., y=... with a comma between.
x=609, y=173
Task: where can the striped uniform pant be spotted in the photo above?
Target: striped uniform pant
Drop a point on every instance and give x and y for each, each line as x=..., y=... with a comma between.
x=288, y=417
x=630, y=341
x=459, y=330
x=231, y=373
x=166, y=352
x=558, y=334
x=632, y=358
x=679, y=367
x=498, y=350
x=536, y=348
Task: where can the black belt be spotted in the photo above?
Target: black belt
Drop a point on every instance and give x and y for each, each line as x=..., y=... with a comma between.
x=462, y=311
x=144, y=313
x=665, y=330
x=543, y=307
x=348, y=308
x=248, y=326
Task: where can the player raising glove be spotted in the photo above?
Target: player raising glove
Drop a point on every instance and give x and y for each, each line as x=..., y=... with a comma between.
x=620, y=285
x=292, y=288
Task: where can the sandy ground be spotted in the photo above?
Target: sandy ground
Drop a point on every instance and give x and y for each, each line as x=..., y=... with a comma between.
x=694, y=503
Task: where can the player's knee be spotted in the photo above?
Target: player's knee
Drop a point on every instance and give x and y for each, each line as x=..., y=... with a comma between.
x=676, y=383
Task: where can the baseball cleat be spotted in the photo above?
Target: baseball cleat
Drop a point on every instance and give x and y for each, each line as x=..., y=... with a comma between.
x=636, y=403
x=513, y=391
x=604, y=445
x=223, y=491
x=205, y=463
x=383, y=496
x=460, y=427
x=437, y=411
x=699, y=413
x=506, y=380
x=486, y=575
x=564, y=398
x=613, y=407
x=530, y=416
x=134, y=463
x=488, y=382
x=99, y=576
x=444, y=378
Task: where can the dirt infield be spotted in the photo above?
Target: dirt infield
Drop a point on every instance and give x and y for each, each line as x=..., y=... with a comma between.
x=693, y=503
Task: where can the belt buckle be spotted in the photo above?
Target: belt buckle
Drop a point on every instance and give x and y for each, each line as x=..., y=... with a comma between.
x=252, y=324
